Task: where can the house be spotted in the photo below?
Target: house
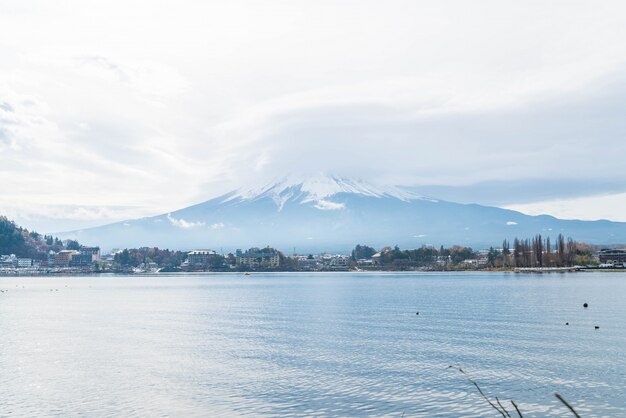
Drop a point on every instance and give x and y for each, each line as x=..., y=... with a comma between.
x=442, y=260
x=308, y=263
x=364, y=262
x=340, y=263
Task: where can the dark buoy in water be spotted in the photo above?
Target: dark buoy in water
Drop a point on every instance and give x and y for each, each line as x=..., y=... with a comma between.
x=585, y=305
x=597, y=327
x=417, y=313
x=567, y=323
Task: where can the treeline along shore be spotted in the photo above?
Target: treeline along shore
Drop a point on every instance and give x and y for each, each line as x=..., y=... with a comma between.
x=24, y=252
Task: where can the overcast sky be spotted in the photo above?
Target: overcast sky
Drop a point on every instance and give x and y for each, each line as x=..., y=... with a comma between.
x=119, y=109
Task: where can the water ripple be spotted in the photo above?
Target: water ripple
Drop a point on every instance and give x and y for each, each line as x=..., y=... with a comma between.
x=311, y=345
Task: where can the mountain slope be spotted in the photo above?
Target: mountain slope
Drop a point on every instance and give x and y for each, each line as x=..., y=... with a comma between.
x=334, y=214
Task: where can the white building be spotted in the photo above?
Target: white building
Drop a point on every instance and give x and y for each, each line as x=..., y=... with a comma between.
x=200, y=257
x=94, y=252
x=339, y=263
x=24, y=262
x=255, y=257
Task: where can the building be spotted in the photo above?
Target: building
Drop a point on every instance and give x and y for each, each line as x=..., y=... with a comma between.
x=339, y=263
x=254, y=258
x=442, y=260
x=308, y=263
x=94, y=252
x=365, y=263
x=49, y=261
x=111, y=255
x=200, y=257
x=24, y=262
x=81, y=260
x=608, y=256
x=8, y=261
x=63, y=258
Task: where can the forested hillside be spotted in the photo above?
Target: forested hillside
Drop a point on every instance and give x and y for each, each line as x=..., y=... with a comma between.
x=24, y=243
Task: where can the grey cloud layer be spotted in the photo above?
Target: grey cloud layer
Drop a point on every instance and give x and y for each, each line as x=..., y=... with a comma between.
x=576, y=137
x=157, y=106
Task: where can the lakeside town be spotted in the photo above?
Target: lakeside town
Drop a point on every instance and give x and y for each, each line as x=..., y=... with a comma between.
x=89, y=260
x=24, y=252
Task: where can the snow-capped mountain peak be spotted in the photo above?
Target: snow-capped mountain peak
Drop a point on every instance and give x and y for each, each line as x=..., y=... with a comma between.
x=319, y=189
x=328, y=213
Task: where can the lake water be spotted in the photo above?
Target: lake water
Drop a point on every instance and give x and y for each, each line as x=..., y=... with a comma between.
x=321, y=344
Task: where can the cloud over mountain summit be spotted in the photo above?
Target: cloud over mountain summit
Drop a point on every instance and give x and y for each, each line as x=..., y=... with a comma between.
x=157, y=106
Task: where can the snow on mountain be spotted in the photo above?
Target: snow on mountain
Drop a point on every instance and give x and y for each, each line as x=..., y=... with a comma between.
x=319, y=189
x=330, y=213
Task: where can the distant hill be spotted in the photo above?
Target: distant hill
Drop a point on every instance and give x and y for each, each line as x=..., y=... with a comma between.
x=23, y=243
x=333, y=214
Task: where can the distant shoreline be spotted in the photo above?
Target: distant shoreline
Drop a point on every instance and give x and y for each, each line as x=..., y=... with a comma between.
x=246, y=273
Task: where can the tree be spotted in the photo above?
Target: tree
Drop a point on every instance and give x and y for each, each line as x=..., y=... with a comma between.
x=459, y=254
x=11, y=239
x=538, y=250
x=362, y=252
x=570, y=257
x=123, y=258
x=560, y=250
x=492, y=257
x=72, y=245
x=518, y=258
x=506, y=252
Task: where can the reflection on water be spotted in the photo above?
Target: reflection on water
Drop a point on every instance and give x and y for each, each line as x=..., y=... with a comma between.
x=312, y=344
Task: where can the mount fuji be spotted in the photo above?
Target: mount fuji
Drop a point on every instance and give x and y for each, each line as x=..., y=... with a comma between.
x=328, y=213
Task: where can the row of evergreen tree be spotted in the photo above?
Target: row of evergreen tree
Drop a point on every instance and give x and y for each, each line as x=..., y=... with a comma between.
x=530, y=252
x=540, y=252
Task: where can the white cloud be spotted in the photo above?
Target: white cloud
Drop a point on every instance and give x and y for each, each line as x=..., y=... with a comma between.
x=181, y=223
x=150, y=115
x=609, y=206
x=510, y=223
x=219, y=225
x=328, y=205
